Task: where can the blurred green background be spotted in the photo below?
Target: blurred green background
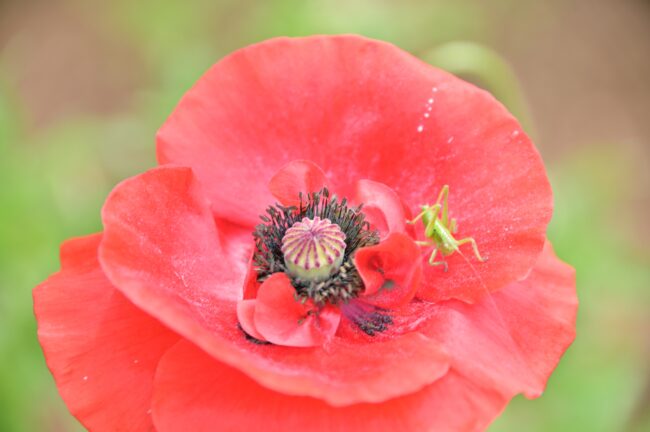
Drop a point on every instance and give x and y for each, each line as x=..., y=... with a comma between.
x=85, y=84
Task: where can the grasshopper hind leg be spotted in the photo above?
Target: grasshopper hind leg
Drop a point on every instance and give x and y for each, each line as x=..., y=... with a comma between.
x=474, y=247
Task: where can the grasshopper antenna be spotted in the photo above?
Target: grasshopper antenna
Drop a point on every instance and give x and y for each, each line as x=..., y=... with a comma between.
x=492, y=306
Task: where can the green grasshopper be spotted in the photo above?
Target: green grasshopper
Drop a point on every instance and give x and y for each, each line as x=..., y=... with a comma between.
x=439, y=230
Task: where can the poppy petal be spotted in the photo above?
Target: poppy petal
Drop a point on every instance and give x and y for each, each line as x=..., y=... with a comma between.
x=181, y=275
x=299, y=176
x=360, y=108
x=513, y=339
x=246, y=318
x=390, y=271
x=251, y=285
x=236, y=242
x=382, y=206
x=101, y=349
x=285, y=321
x=211, y=394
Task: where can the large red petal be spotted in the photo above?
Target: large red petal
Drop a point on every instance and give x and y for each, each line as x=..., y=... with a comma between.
x=161, y=248
x=212, y=396
x=513, y=339
x=283, y=320
x=365, y=109
x=101, y=349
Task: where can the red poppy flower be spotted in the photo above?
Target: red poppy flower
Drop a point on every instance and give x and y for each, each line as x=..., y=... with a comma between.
x=189, y=312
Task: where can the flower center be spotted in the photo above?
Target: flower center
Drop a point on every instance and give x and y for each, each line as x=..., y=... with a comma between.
x=313, y=243
x=313, y=249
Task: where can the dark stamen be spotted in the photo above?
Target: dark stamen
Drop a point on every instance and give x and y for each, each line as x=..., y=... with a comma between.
x=370, y=319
